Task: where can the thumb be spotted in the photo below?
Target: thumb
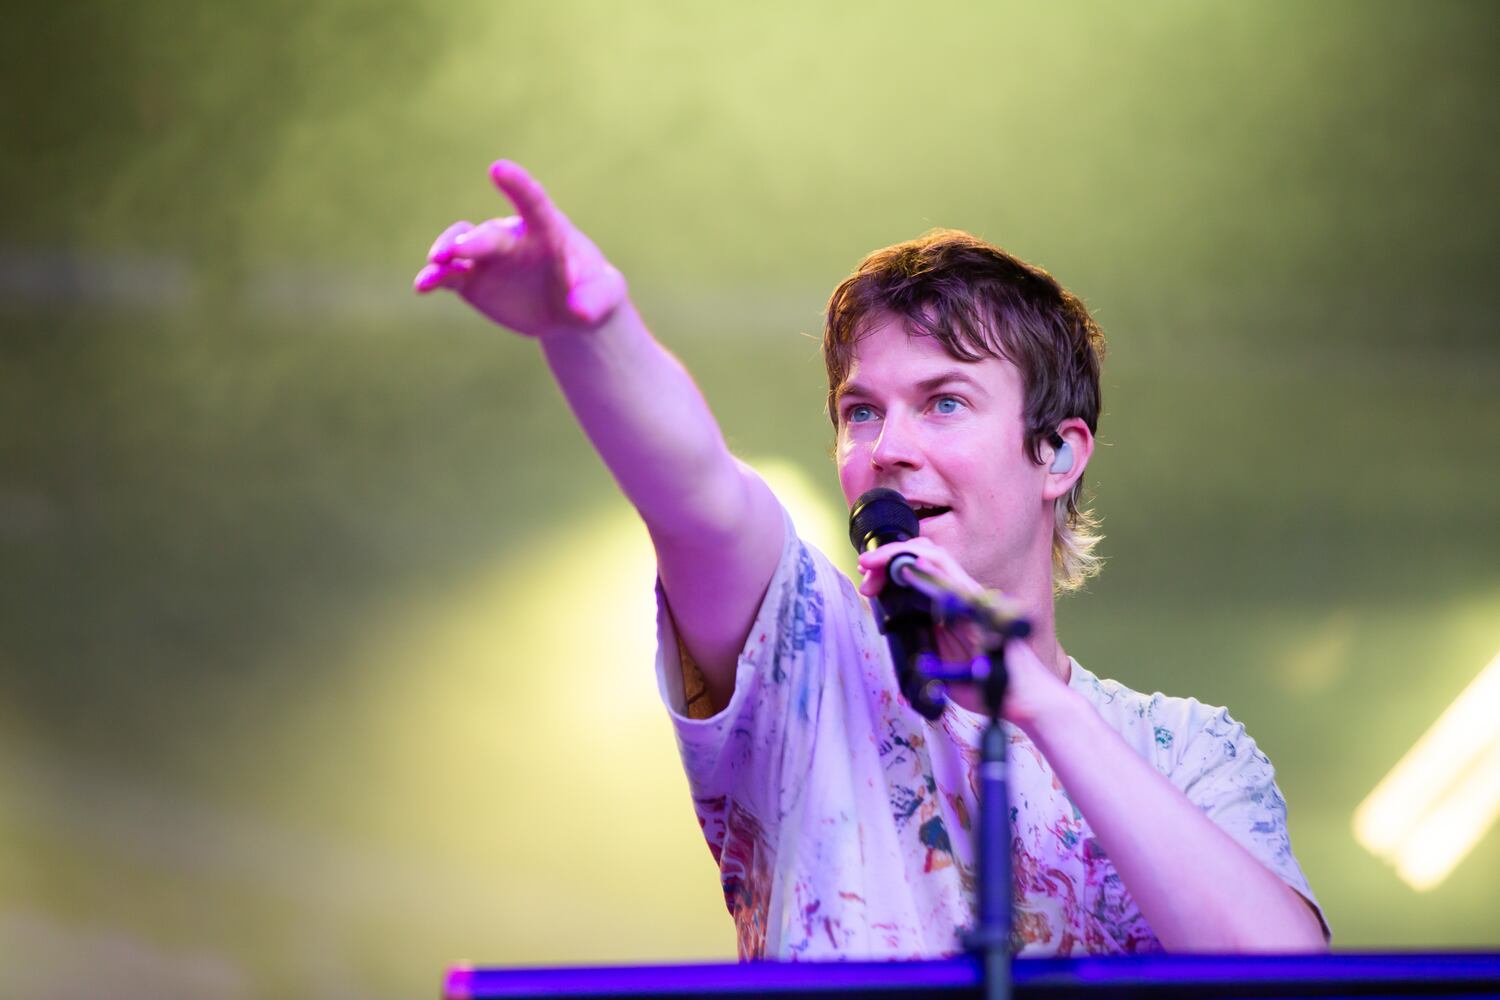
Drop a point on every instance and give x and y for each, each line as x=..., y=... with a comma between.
x=597, y=295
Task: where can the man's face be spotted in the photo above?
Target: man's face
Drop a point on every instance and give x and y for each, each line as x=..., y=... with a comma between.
x=949, y=436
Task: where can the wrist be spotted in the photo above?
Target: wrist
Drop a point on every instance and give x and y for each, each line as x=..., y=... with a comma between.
x=1060, y=713
x=622, y=315
x=577, y=341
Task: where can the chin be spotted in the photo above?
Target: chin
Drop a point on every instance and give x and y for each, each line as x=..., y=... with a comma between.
x=936, y=529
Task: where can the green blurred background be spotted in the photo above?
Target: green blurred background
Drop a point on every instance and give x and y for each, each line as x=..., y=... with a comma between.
x=324, y=639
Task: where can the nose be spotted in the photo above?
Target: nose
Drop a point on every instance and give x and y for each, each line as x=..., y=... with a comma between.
x=897, y=446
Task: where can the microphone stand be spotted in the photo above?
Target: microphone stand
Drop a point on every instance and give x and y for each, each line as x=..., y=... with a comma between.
x=989, y=939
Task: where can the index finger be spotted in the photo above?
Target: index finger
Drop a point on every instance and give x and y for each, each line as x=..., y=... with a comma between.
x=530, y=199
x=876, y=558
x=874, y=562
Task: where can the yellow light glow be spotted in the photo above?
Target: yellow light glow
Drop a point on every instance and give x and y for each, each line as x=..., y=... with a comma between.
x=1452, y=828
x=616, y=552
x=818, y=522
x=1439, y=800
x=520, y=701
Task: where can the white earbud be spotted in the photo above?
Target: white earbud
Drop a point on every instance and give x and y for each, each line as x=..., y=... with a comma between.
x=1062, y=459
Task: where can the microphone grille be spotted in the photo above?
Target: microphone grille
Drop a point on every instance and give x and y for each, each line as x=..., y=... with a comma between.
x=884, y=514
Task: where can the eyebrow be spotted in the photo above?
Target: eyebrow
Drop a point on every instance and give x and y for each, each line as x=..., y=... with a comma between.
x=944, y=378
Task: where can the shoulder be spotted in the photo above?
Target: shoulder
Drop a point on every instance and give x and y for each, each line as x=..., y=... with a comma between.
x=809, y=605
x=1182, y=737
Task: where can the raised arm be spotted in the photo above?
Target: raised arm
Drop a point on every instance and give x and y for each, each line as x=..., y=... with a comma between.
x=715, y=525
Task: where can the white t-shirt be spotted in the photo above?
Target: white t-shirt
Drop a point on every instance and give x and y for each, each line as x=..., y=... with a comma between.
x=842, y=821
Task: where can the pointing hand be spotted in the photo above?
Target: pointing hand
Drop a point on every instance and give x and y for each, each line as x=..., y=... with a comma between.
x=533, y=272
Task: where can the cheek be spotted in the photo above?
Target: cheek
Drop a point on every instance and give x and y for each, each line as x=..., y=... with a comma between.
x=1001, y=487
x=850, y=481
x=853, y=468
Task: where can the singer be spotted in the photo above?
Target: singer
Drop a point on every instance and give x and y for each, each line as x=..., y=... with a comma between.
x=840, y=818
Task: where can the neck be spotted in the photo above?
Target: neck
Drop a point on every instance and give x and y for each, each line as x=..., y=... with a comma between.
x=1031, y=592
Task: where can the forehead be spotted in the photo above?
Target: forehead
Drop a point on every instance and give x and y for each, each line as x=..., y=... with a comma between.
x=889, y=357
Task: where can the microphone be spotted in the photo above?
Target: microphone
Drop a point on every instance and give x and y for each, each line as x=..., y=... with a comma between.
x=902, y=613
x=882, y=516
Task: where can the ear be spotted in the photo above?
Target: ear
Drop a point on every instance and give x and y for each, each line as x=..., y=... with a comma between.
x=1080, y=441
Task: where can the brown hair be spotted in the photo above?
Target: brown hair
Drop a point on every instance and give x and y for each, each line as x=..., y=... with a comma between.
x=980, y=302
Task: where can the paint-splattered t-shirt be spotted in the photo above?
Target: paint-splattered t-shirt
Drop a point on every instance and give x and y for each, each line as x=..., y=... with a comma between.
x=842, y=821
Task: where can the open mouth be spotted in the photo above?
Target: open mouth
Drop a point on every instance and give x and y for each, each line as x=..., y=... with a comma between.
x=923, y=512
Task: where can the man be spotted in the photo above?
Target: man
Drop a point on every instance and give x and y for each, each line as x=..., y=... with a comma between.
x=841, y=819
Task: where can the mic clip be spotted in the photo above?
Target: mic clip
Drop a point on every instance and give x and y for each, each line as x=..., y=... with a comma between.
x=1001, y=618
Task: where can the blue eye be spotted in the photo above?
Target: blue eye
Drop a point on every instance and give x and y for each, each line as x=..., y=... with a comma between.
x=947, y=404
x=859, y=414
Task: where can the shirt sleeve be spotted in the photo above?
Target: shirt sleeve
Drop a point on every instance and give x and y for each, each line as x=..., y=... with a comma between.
x=1224, y=773
x=746, y=764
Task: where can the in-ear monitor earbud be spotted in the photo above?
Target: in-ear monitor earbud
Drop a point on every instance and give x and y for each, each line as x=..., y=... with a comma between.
x=1062, y=458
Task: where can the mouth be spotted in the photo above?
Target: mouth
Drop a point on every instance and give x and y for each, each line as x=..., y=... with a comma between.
x=925, y=511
